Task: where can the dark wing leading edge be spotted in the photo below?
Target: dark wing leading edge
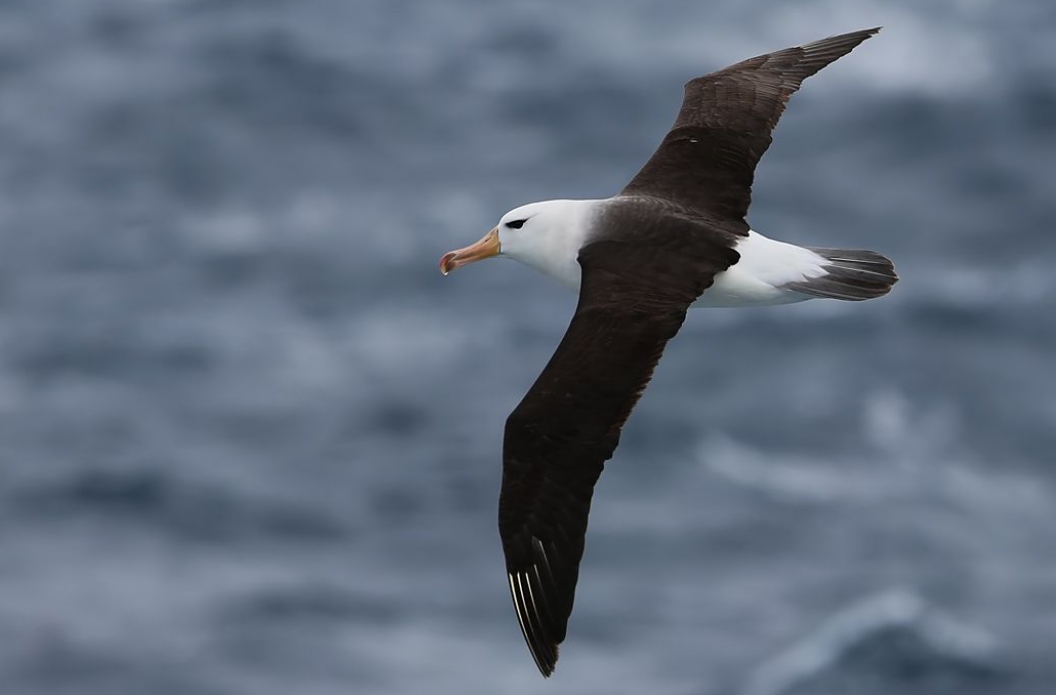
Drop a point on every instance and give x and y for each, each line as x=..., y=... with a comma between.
x=633, y=299
x=707, y=160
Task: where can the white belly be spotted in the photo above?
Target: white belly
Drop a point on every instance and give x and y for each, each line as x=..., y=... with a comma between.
x=758, y=278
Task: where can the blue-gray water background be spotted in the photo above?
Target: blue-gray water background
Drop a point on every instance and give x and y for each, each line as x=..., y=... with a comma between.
x=250, y=438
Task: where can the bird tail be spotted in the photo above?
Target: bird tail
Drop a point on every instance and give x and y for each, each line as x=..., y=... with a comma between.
x=849, y=275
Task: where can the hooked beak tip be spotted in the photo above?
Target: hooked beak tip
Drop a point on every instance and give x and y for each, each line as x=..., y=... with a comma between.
x=487, y=247
x=445, y=262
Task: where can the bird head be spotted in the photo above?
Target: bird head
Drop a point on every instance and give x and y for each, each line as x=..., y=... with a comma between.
x=538, y=234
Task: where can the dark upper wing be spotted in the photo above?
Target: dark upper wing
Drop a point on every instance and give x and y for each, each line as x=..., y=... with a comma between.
x=633, y=299
x=707, y=160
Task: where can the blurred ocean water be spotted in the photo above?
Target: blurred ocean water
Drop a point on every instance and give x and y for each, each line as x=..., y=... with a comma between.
x=250, y=439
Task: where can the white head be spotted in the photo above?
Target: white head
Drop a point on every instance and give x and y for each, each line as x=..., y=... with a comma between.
x=546, y=236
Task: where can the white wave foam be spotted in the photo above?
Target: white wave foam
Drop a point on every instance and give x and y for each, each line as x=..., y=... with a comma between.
x=896, y=608
x=785, y=475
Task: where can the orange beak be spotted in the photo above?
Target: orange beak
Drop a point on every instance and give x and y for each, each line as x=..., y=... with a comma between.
x=485, y=248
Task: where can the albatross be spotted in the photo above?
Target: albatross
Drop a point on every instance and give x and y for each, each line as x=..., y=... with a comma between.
x=675, y=238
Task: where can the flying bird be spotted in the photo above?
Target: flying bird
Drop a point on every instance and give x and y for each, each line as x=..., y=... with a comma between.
x=675, y=238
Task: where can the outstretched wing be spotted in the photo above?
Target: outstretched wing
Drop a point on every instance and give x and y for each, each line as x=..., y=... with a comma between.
x=633, y=299
x=707, y=160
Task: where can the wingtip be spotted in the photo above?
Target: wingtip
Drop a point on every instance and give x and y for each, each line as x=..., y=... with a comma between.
x=873, y=31
x=867, y=34
x=548, y=665
x=831, y=48
x=544, y=651
x=547, y=668
x=857, y=36
x=545, y=658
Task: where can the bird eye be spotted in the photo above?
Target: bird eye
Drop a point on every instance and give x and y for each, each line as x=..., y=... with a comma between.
x=516, y=224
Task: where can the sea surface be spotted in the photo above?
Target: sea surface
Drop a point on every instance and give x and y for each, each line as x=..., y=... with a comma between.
x=250, y=438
